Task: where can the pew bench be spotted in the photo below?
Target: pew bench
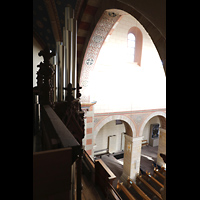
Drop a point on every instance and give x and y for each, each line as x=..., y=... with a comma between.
x=153, y=190
x=148, y=175
x=126, y=192
x=138, y=190
x=144, y=142
x=156, y=172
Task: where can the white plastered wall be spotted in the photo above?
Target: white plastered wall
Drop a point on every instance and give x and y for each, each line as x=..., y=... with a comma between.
x=115, y=142
x=118, y=85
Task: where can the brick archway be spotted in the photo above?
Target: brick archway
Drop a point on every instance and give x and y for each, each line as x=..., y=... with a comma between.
x=100, y=32
x=162, y=117
x=114, y=117
x=158, y=37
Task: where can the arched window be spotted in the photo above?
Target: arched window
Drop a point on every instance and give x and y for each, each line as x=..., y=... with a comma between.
x=134, y=45
x=131, y=47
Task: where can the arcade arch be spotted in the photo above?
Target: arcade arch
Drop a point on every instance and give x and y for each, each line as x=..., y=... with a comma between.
x=129, y=125
x=162, y=117
x=158, y=143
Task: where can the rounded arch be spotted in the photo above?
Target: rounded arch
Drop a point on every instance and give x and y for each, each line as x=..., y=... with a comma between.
x=114, y=117
x=161, y=115
x=156, y=33
x=138, y=43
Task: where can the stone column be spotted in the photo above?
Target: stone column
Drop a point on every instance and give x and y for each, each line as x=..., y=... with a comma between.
x=161, y=147
x=132, y=154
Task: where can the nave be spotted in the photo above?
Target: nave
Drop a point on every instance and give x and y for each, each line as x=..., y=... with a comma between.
x=148, y=185
x=115, y=161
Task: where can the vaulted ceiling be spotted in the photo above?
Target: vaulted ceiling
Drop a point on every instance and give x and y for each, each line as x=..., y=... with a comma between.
x=48, y=21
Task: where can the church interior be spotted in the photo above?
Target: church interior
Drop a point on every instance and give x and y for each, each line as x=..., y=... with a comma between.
x=99, y=99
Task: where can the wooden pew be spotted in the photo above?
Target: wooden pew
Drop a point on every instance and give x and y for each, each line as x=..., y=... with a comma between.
x=123, y=188
x=112, y=193
x=150, y=187
x=138, y=190
x=156, y=172
x=144, y=142
x=154, y=180
x=162, y=171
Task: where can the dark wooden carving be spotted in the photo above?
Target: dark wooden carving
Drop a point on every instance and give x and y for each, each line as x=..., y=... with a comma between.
x=71, y=114
x=44, y=78
x=163, y=157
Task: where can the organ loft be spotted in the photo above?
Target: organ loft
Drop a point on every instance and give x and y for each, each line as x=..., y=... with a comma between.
x=99, y=99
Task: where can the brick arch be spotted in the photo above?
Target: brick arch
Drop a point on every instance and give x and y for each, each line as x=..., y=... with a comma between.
x=98, y=36
x=162, y=118
x=157, y=36
x=104, y=24
x=114, y=117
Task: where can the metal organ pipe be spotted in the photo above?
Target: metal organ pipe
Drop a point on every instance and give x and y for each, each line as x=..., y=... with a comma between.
x=59, y=71
x=67, y=55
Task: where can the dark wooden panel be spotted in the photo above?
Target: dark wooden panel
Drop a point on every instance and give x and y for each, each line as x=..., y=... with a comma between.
x=52, y=173
x=56, y=129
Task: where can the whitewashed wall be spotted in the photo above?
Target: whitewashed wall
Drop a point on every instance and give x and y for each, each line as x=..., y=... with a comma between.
x=118, y=85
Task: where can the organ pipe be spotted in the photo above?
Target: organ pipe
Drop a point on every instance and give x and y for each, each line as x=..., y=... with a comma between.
x=68, y=67
x=59, y=70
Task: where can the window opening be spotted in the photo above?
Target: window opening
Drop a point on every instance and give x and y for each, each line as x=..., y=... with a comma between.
x=131, y=47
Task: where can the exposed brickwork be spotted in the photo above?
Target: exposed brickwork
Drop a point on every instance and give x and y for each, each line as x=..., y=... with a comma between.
x=89, y=130
x=89, y=119
x=89, y=141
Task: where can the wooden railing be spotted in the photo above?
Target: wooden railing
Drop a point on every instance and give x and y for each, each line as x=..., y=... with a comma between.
x=101, y=176
x=104, y=178
x=52, y=166
x=88, y=166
